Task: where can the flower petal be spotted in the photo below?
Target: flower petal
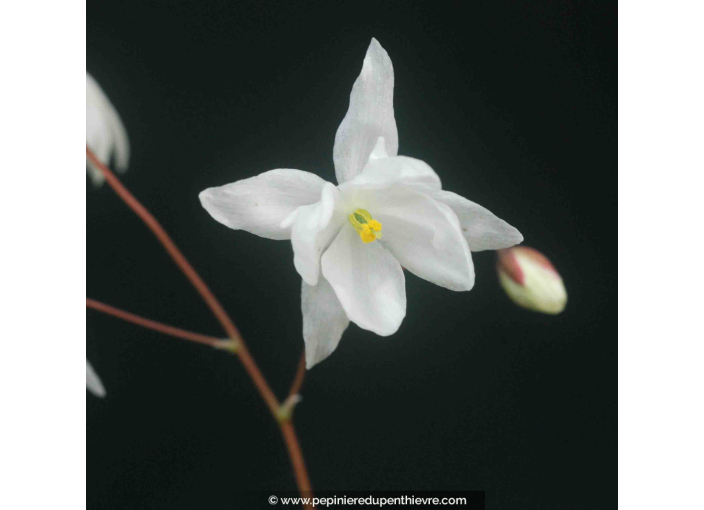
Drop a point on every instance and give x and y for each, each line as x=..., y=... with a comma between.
x=367, y=280
x=423, y=234
x=480, y=227
x=93, y=382
x=259, y=204
x=314, y=226
x=324, y=321
x=105, y=133
x=370, y=115
x=397, y=170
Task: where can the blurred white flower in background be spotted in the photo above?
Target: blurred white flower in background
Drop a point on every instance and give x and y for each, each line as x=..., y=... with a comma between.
x=93, y=381
x=530, y=280
x=350, y=271
x=106, y=137
x=105, y=133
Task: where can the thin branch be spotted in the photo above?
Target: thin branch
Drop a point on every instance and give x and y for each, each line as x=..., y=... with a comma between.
x=150, y=324
x=299, y=467
x=194, y=278
x=219, y=312
x=300, y=375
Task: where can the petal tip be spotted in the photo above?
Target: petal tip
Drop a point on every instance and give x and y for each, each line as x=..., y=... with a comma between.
x=390, y=331
x=517, y=237
x=93, y=382
x=203, y=195
x=307, y=273
x=375, y=45
x=469, y=285
x=376, y=57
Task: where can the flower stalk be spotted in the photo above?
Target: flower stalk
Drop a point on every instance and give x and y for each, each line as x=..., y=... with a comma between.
x=156, y=326
x=287, y=430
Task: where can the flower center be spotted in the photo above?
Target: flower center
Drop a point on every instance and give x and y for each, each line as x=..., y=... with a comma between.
x=368, y=229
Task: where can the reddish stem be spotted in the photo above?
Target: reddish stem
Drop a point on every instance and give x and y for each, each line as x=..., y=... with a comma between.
x=220, y=314
x=150, y=324
x=194, y=278
x=300, y=375
x=299, y=467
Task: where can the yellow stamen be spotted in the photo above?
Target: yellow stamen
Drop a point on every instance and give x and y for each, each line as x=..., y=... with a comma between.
x=369, y=229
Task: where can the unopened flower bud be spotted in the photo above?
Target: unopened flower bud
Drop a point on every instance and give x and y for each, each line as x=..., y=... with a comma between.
x=530, y=280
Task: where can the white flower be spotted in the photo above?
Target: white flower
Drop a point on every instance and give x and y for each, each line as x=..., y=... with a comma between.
x=530, y=280
x=350, y=271
x=93, y=381
x=105, y=134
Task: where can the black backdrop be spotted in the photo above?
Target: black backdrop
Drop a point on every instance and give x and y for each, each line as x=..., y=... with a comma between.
x=513, y=104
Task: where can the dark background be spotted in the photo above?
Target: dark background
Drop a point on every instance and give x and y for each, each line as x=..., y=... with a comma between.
x=513, y=104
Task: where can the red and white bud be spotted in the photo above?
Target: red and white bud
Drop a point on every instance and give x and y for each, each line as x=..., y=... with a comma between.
x=530, y=280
